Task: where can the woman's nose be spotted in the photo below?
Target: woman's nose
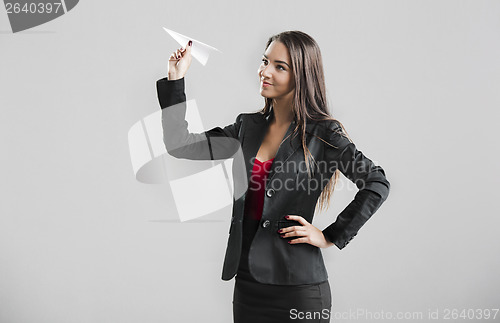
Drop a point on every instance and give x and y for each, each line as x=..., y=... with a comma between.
x=264, y=72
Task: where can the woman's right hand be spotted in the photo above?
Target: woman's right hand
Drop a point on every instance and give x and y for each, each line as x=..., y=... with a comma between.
x=179, y=62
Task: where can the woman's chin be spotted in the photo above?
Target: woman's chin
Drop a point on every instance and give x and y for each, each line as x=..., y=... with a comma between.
x=264, y=94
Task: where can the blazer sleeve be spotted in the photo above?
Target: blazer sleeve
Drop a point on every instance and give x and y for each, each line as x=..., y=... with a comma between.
x=373, y=186
x=216, y=143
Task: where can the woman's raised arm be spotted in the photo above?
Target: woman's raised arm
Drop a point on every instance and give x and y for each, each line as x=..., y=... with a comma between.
x=214, y=144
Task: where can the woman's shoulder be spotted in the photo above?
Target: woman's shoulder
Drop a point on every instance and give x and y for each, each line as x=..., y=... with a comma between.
x=327, y=126
x=255, y=116
x=330, y=131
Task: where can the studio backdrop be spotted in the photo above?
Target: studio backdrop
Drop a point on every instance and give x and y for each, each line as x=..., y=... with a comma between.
x=99, y=224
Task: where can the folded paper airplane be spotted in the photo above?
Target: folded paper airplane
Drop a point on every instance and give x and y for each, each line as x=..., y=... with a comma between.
x=199, y=50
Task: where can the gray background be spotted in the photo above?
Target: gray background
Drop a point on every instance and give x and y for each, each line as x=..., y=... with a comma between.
x=414, y=82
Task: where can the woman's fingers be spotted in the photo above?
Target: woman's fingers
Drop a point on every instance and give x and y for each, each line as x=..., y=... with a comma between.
x=301, y=229
x=293, y=231
x=175, y=55
x=297, y=218
x=172, y=57
x=179, y=62
x=305, y=234
x=300, y=240
x=178, y=54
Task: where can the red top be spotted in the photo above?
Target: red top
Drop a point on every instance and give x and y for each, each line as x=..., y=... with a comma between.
x=254, y=201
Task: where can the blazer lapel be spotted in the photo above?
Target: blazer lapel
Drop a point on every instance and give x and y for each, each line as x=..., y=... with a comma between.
x=255, y=136
x=285, y=150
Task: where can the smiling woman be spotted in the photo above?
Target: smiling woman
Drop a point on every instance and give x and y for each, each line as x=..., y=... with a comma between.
x=277, y=80
x=273, y=249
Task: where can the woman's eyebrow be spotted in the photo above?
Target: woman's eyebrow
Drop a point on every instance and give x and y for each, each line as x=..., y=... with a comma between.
x=277, y=61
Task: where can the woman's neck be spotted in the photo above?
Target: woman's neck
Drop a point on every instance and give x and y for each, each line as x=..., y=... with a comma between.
x=283, y=113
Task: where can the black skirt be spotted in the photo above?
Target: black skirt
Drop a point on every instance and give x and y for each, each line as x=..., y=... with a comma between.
x=265, y=303
x=255, y=302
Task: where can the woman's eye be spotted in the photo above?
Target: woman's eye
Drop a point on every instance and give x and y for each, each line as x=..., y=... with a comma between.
x=279, y=66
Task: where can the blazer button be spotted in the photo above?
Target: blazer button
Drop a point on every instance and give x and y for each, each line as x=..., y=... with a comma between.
x=270, y=192
x=266, y=223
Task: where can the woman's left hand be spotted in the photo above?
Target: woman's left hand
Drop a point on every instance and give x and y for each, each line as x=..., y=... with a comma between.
x=306, y=232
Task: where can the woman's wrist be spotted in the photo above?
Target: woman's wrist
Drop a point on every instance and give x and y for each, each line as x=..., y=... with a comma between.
x=173, y=76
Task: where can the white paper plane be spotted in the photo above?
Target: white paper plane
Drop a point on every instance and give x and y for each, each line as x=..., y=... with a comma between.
x=199, y=50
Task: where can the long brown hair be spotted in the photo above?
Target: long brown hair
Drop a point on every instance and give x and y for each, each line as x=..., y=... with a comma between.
x=309, y=102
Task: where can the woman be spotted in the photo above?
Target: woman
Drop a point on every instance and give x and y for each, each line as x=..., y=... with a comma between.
x=273, y=249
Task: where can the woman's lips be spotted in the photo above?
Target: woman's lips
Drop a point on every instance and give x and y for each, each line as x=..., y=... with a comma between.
x=265, y=84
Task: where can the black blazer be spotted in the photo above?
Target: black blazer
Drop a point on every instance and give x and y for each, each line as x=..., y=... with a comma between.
x=288, y=189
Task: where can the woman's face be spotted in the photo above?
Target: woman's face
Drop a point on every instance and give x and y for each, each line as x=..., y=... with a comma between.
x=276, y=71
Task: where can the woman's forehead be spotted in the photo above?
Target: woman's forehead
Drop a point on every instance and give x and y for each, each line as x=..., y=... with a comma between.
x=278, y=51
